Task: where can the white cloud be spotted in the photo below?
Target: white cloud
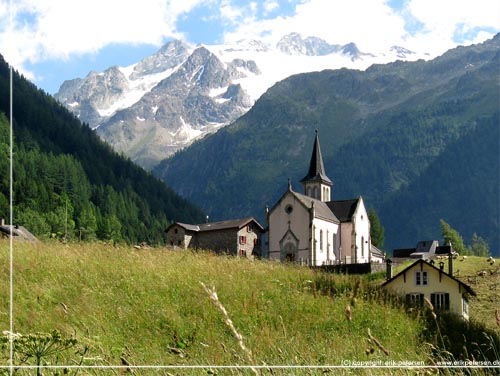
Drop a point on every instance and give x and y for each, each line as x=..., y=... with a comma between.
x=370, y=24
x=423, y=25
x=446, y=23
x=61, y=28
x=58, y=29
x=270, y=5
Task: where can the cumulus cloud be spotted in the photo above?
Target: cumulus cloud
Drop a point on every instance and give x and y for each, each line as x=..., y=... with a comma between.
x=368, y=23
x=45, y=29
x=424, y=25
x=58, y=29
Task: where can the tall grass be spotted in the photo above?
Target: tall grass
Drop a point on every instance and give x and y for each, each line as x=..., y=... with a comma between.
x=147, y=307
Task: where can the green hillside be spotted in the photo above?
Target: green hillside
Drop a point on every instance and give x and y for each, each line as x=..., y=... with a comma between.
x=382, y=131
x=148, y=307
x=68, y=183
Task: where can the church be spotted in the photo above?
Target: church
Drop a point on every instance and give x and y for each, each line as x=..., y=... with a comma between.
x=310, y=228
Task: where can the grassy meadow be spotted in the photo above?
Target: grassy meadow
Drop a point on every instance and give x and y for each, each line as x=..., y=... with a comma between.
x=128, y=306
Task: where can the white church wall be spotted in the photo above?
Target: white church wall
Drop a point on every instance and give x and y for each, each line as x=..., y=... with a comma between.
x=289, y=215
x=362, y=234
x=323, y=247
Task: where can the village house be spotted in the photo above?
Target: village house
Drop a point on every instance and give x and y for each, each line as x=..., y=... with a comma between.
x=424, y=280
x=238, y=237
x=312, y=229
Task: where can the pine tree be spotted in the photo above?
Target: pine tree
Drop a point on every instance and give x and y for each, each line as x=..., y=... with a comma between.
x=452, y=236
x=376, y=229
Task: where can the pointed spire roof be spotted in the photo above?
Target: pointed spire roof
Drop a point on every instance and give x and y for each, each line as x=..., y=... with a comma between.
x=316, y=167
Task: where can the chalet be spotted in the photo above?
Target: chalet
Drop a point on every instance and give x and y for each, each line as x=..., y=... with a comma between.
x=311, y=228
x=239, y=237
x=424, y=280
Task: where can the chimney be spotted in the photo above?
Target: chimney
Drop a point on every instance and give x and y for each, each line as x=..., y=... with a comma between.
x=450, y=259
x=389, y=268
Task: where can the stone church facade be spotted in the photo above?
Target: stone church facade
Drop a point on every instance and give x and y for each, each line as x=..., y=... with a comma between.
x=312, y=229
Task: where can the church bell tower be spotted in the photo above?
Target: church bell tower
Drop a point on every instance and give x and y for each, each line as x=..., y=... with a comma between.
x=316, y=184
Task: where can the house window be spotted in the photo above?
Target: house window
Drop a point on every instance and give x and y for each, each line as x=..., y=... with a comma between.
x=415, y=300
x=176, y=231
x=249, y=228
x=441, y=301
x=243, y=253
x=256, y=241
x=421, y=278
x=465, y=307
x=243, y=240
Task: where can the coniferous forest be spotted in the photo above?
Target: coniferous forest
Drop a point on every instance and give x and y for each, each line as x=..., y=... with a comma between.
x=68, y=183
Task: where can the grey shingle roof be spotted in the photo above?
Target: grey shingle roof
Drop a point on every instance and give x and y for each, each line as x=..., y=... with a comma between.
x=321, y=208
x=222, y=225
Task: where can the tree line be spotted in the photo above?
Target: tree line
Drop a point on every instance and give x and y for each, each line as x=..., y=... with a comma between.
x=69, y=184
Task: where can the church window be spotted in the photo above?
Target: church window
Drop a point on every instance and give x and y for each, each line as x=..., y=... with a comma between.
x=315, y=192
x=289, y=209
x=321, y=240
x=308, y=193
x=362, y=246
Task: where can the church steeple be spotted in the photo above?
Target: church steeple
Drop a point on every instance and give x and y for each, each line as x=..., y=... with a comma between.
x=316, y=184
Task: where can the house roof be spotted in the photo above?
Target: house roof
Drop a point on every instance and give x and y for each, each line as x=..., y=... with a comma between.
x=419, y=262
x=222, y=225
x=344, y=209
x=316, y=166
x=19, y=231
x=376, y=252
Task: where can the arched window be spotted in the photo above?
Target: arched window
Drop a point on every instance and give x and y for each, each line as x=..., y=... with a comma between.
x=315, y=192
x=321, y=240
x=362, y=246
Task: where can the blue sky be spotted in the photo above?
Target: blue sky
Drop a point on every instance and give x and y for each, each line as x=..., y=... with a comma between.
x=50, y=41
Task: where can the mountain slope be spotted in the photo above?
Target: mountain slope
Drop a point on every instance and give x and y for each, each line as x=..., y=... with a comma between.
x=380, y=130
x=163, y=103
x=62, y=166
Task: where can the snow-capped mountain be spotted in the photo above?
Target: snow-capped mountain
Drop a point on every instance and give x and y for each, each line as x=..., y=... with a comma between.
x=163, y=103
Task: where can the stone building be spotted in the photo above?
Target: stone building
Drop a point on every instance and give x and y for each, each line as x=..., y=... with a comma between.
x=239, y=237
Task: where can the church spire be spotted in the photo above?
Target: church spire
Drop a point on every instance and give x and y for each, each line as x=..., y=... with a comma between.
x=316, y=184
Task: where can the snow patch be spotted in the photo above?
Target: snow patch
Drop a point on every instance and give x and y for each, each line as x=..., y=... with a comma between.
x=74, y=104
x=140, y=119
x=186, y=133
x=217, y=91
x=137, y=89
